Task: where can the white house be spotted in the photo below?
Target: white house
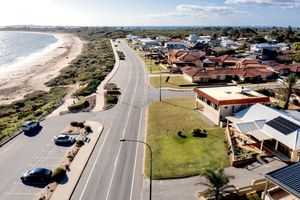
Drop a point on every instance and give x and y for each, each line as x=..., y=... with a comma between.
x=220, y=102
x=257, y=48
x=148, y=42
x=193, y=38
x=276, y=130
x=175, y=46
x=227, y=43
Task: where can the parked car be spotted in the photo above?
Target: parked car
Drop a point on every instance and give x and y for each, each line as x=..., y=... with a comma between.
x=30, y=125
x=63, y=139
x=37, y=175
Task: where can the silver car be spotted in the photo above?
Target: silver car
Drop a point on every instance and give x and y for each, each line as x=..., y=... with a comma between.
x=63, y=139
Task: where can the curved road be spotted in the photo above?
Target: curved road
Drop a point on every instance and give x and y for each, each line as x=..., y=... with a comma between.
x=115, y=170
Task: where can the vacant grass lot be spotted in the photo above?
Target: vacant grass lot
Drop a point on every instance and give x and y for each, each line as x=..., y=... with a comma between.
x=177, y=157
x=177, y=82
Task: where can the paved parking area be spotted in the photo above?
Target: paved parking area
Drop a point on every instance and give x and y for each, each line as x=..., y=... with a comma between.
x=48, y=157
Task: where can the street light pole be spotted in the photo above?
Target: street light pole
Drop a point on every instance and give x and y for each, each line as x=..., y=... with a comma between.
x=159, y=83
x=138, y=141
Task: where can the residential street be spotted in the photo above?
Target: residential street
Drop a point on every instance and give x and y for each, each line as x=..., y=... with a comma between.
x=115, y=170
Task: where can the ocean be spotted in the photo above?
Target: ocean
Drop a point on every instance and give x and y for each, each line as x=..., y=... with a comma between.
x=17, y=46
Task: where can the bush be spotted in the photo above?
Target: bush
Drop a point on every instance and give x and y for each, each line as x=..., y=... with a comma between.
x=197, y=133
x=71, y=158
x=79, y=143
x=58, y=174
x=80, y=124
x=75, y=124
x=267, y=92
x=88, y=129
x=82, y=103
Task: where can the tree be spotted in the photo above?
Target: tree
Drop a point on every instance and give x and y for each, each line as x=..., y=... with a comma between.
x=217, y=183
x=290, y=83
x=296, y=46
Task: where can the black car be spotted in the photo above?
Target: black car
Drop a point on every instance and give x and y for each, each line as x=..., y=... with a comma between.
x=37, y=175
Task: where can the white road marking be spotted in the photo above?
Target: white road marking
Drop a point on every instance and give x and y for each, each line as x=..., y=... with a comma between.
x=123, y=134
x=98, y=155
x=136, y=152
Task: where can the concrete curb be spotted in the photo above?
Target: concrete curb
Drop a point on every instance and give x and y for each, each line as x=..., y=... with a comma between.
x=100, y=90
x=9, y=139
x=64, y=192
x=176, y=90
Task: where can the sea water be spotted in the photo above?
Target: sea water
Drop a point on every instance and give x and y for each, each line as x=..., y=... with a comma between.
x=17, y=46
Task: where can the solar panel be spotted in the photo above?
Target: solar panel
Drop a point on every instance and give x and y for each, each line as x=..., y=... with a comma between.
x=287, y=178
x=283, y=125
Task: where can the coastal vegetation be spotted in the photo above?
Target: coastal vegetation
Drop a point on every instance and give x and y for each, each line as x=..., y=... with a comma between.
x=182, y=142
x=34, y=106
x=88, y=70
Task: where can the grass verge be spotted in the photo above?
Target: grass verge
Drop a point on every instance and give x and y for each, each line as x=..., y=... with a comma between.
x=177, y=82
x=175, y=156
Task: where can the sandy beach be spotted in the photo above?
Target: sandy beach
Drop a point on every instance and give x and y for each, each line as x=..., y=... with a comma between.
x=33, y=72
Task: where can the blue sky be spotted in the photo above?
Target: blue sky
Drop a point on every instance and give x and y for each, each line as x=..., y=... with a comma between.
x=150, y=12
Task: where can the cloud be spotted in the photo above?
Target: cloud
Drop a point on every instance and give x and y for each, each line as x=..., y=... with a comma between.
x=206, y=9
x=186, y=10
x=278, y=3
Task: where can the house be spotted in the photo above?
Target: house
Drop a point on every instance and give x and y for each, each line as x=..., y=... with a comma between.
x=174, y=45
x=148, y=42
x=285, y=181
x=200, y=46
x=246, y=62
x=183, y=58
x=193, y=38
x=220, y=102
x=295, y=69
x=257, y=48
x=227, y=43
x=228, y=60
x=275, y=130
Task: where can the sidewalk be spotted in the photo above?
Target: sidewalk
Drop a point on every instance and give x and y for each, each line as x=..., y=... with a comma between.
x=100, y=90
x=64, y=192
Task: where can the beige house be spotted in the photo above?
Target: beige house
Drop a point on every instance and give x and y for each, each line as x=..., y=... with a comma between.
x=220, y=102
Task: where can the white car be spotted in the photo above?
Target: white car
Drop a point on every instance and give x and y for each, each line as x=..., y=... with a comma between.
x=63, y=139
x=30, y=125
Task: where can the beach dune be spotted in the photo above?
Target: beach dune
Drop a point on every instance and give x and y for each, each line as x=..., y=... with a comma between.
x=32, y=73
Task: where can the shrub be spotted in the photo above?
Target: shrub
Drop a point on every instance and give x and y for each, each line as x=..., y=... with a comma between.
x=82, y=103
x=71, y=158
x=88, y=129
x=197, y=133
x=58, y=174
x=79, y=143
x=73, y=123
x=267, y=92
x=80, y=124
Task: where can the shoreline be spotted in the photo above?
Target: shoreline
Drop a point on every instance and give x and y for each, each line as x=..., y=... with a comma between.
x=32, y=73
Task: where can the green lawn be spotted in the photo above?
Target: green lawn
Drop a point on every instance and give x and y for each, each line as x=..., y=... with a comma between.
x=177, y=82
x=177, y=157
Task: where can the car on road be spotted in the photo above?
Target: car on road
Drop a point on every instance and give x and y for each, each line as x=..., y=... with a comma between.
x=37, y=175
x=30, y=125
x=64, y=139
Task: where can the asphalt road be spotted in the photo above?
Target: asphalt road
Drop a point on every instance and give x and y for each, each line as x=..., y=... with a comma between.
x=115, y=170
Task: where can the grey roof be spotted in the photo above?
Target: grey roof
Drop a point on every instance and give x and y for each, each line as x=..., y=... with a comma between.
x=288, y=178
x=246, y=127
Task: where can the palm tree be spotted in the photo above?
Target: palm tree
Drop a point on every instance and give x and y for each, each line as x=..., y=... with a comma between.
x=217, y=183
x=290, y=83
